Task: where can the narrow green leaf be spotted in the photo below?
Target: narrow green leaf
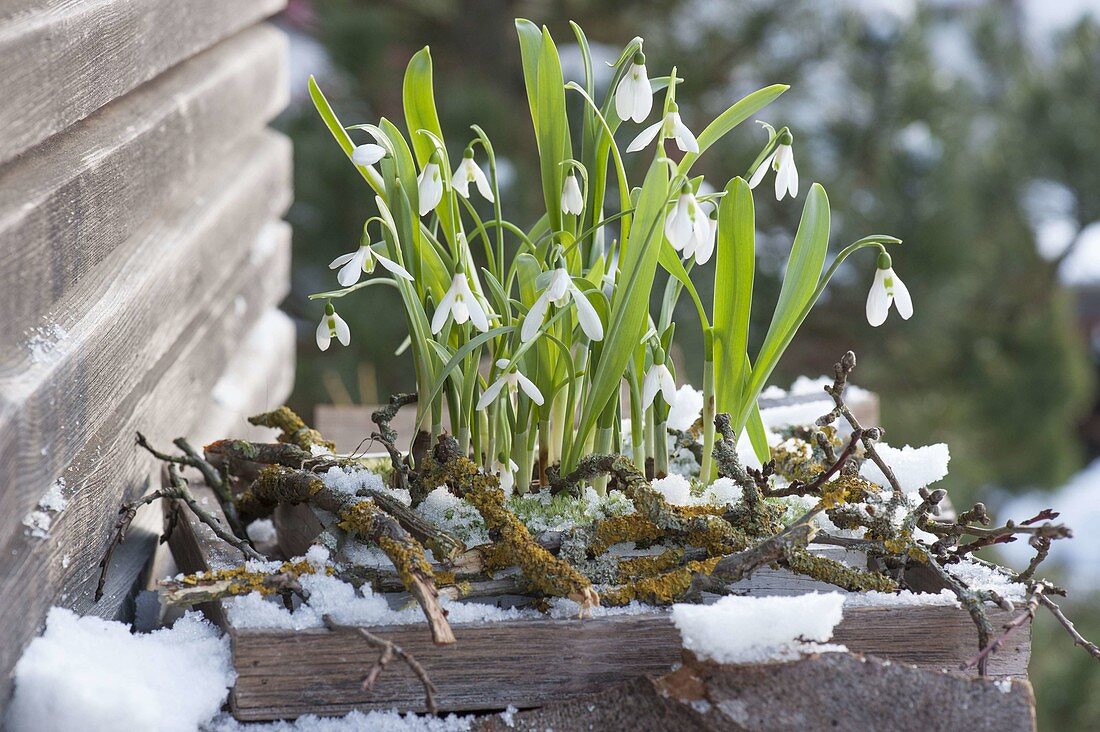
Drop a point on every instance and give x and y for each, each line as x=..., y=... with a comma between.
x=800, y=283
x=733, y=277
x=735, y=115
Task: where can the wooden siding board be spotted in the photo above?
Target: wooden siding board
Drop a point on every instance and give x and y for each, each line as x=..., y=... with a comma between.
x=172, y=397
x=84, y=194
x=61, y=60
x=181, y=268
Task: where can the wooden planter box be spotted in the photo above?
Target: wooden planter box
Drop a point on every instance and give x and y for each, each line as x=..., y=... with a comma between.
x=525, y=663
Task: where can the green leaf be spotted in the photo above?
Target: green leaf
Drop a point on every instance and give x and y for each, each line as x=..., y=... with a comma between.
x=733, y=277
x=339, y=133
x=457, y=358
x=630, y=303
x=552, y=129
x=800, y=287
x=670, y=261
x=735, y=115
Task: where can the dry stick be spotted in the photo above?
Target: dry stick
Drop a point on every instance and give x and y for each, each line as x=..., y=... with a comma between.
x=1025, y=617
x=390, y=650
x=387, y=435
x=841, y=371
x=127, y=512
x=1078, y=639
x=179, y=484
x=800, y=489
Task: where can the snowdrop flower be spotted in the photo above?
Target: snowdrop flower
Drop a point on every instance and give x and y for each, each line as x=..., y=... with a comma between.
x=560, y=290
x=572, y=200
x=507, y=473
x=671, y=126
x=460, y=303
x=886, y=289
x=634, y=95
x=429, y=187
x=782, y=161
x=688, y=228
x=466, y=173
x=353, y=265
x=515, y=381
x=367, y=155
x=332, y=325
x=658, y=379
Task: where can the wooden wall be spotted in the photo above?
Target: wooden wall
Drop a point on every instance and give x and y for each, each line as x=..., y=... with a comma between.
x=142, y=258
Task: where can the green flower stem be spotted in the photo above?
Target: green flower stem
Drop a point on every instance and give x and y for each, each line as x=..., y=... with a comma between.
x=706, y=470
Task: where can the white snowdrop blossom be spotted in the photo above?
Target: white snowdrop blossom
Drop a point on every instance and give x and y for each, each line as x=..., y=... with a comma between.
x=560, y=290
x=689, y=230
x=354, y=264
x=887, y=289
x=466, y=173
x=367, y=155
x=782, y=161
x=634, y=94
x=507, y=473
x=460, y=303
x=332, y=325
x=658, y=379
x=671, y=126
x=515, y=381
x=572, y=200
x=429, y=187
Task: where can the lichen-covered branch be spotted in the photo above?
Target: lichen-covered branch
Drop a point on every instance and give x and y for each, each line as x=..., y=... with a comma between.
x=292, y=429
x=542, y=570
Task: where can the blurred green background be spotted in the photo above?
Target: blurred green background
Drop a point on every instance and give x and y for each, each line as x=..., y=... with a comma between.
x=969, y=129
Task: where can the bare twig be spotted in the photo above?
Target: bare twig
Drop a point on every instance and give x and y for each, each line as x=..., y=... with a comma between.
x=127, y=512
x=1066, y=623
x=388, y=652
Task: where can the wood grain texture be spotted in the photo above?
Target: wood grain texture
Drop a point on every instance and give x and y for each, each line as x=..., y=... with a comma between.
x=526, y=663
x=173, y=396
x=182, y=271
x=86, y=195
x=530, y=662
x=60, y=60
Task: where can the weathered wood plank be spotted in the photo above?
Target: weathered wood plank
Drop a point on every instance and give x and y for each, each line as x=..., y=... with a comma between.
x=82, y=197
x=60, y=60
x=530, y=662
x=183, y=267
x=171, y=397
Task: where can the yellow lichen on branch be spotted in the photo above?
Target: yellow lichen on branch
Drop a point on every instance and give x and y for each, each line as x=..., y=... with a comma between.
x=662, y=589
x=294, y=430
x=542, y=571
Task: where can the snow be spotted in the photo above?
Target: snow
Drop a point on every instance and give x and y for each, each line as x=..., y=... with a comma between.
x=347, y=606
x=262, y=531
x=91, y=674
x=675, y=488
x=980, y=577
x=760, y=629
x=388, y=721
x=454, y=515
x=46, y=344
x=1078, y=503
x=350, y=480
x=53, y=501
x=686, y=408
x=902, y=598
x=914, y=467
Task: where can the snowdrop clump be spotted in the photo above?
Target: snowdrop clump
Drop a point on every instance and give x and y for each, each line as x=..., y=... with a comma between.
x=530, y=344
